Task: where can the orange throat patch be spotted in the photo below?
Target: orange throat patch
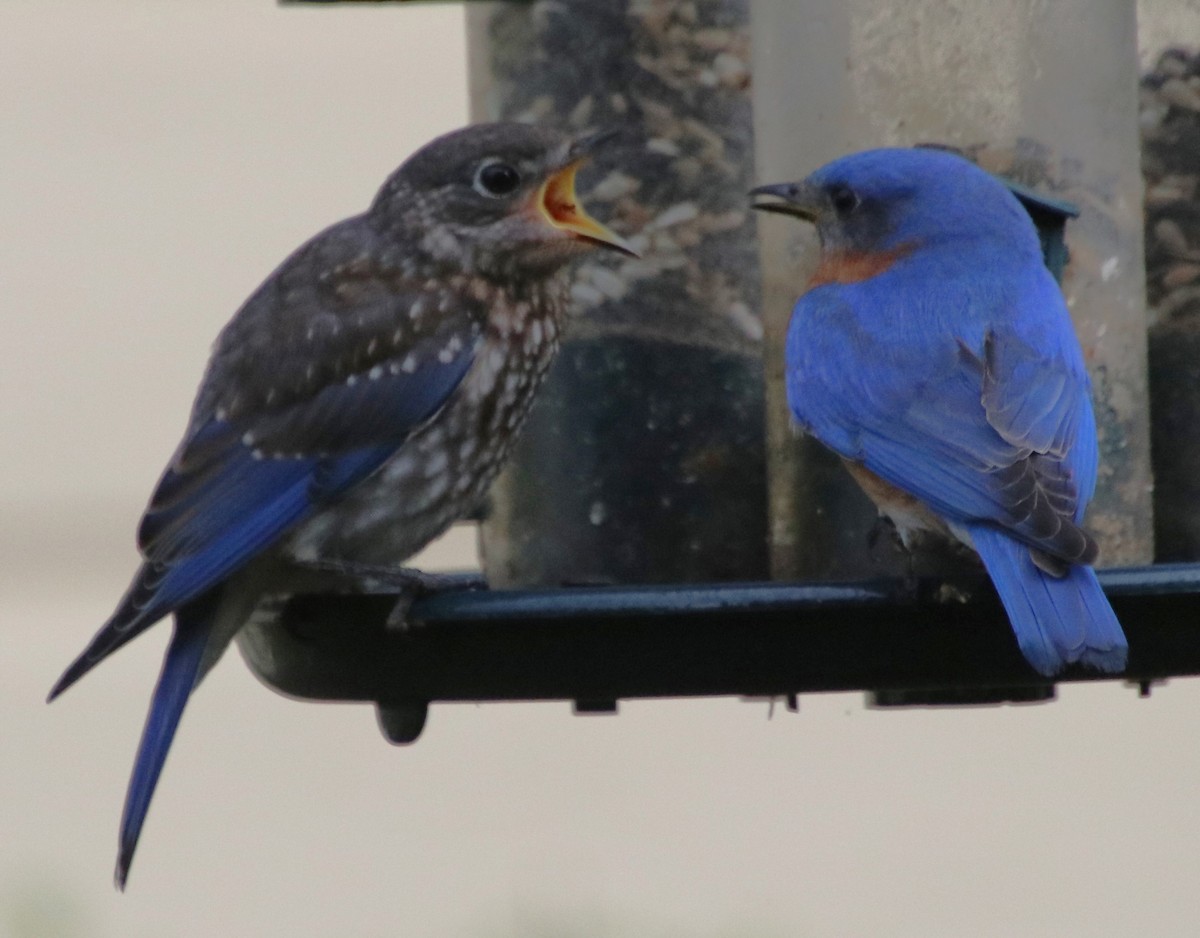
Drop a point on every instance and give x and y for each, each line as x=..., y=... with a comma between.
x=855, y=266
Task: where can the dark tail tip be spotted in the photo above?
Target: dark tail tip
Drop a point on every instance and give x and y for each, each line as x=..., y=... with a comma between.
x=121, y=872
x=59, y=686
x=78, y=668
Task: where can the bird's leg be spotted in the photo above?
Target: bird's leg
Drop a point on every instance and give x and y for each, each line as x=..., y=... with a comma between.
x=886, y=531
x=422, y=584
x=409, y=583
x=378, y=577
x=883, y=526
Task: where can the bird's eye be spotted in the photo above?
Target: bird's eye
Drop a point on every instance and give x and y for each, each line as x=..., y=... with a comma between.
x=496, y=179
x=844, y=199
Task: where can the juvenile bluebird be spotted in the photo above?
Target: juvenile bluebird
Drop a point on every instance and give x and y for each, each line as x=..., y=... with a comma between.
x=933, y=351
x=359, y=402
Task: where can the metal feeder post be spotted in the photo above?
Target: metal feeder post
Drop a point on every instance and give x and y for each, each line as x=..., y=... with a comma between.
x=1007, y=82
x=1169, y=120
x=643, y=460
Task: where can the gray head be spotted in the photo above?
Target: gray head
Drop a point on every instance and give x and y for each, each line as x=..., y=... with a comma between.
x=495, y=199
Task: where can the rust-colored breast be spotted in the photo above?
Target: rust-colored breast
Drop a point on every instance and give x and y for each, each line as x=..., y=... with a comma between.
x=882, y=493
x=844, y=266
x=908, y=513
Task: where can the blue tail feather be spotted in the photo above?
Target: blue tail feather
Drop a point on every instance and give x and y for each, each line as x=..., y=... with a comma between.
x=1057, y=620
x=180, y=670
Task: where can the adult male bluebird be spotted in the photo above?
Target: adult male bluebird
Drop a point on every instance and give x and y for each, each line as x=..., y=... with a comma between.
x=359, y=402
x=934, y=352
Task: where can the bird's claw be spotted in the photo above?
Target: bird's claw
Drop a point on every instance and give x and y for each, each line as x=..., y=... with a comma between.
x=409, y=583
x=420, y=584
x=882, y=527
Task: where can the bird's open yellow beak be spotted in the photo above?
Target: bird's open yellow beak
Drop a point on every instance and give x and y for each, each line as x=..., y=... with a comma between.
x=557, y=202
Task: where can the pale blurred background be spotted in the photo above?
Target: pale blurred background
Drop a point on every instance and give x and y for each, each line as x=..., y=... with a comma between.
x=156, y=161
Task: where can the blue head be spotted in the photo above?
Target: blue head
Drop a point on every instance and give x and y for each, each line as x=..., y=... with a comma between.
x=889, y=199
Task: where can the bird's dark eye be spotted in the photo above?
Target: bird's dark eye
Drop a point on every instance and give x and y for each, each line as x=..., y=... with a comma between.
x=844, y=199
x=497, y=179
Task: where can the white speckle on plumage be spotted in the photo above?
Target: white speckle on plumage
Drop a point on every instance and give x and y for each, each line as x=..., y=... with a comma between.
x=394, y=367
x=535, y=332
x=351, y=380
x=511, y=381
x=375, y=373
x=271, y=395
x=436, y=464
x=445, y=355
x=247, y=438
x=445, y=302
x=419, y=500
x=437, y=487
x=315, y=530
x=257, y=454
x=483, y=375
x=311, y=333
x=402, y=465
x=409, y=364
x=415, y=312
x=310, y=372
x=439, y=240
x=371, y=346
x=467, y=449
x=222, y=414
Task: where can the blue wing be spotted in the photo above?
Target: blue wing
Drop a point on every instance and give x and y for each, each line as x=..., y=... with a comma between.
x=235, y=486
x=972, y=396
x=969, y=393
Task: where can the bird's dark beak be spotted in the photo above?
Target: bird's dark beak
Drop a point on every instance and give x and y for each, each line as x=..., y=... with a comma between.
x=802, y=199
x=585, y=145
x=557, y=202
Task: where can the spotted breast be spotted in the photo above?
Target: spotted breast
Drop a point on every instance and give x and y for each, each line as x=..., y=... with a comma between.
x=444, y=469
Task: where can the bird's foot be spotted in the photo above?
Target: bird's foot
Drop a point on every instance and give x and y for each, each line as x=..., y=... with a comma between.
x=422, y=584
x=883, y=530
x=409, y=583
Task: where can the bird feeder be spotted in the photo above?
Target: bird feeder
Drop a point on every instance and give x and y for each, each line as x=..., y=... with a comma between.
x=644, y=460
x=659, y=482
